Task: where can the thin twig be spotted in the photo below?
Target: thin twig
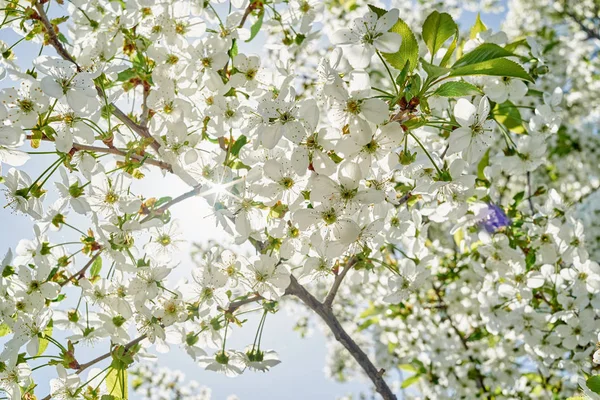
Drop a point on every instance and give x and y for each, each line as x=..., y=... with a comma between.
x=83, y=367
x=529, y=194
x=338, y=281
x=234, y=305
x=463, y=341
x=60, y=49
x=145, y=109
x=115, y=151
x=81, y=273
x=159, y=211
x=342, y=336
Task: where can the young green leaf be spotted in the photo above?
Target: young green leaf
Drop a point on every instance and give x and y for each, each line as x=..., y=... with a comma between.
x=379, y=11
x=456, y=89
x=495, y=67
x=43, y=342
x=433, y=71
x=485, y=161
x=437, y=28
x=116, y=383
x=478, y=27
x=410, y=380
x=409, y=49
x=237, y=146
x=96, y=266
x=593, y=383
x=509, y=116
x=255, y=28
x=485, y=52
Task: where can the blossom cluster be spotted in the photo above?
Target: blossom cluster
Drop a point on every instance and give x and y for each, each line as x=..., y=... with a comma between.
x=400, y=175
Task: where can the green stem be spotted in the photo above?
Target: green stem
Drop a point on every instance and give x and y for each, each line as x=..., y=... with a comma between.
x=388, y=71
x=426, y=152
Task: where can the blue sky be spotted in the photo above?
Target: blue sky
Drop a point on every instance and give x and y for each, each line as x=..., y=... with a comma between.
x=301, y=373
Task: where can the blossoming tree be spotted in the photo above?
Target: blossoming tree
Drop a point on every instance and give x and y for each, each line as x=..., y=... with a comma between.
x=402, y=181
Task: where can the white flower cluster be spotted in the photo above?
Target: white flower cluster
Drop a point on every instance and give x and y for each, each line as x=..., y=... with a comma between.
x=403, y=181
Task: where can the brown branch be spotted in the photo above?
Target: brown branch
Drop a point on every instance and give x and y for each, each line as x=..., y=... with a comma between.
x=54, y=41
x=145, y=109
x=234, y=305
x=159, y=211
x=247, y=12
x=529, y=194
x=342, y=336
x=60, y=49
x=117, y=152
x=463, y=341
x=81, y=273
x=338, y=281
x=83, y=367
x=592, y=34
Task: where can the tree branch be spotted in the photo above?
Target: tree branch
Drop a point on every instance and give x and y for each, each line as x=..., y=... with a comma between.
x=81, y=273
x=234, y=305
x=592, y=34
x=342, y=336
x=115, y=151
x=83, y=367
x=60, y=49
x=338, y=281
x=529, y=194
x=463, y=341
x=159, y=211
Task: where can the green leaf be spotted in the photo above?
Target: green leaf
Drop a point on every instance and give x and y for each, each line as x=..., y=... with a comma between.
x=401, y=78
x=485, y=161
x=126, y=75
x=593, y=383
x=485, y=52
x=116, y=383
x=514, y=45
x=4, y=330
x=96, y=266
x=478, y=27
x=437, y=28
x=409, y=381
x=457, y=89
x=408, y=367
x=162, y=201
x=36, y=138
x=409, y=49
x=495, y=67
x=433, y=71
x=379, y=11
x=43, y=342
x=255, y=28
x=509, y=116
x=237, y=146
